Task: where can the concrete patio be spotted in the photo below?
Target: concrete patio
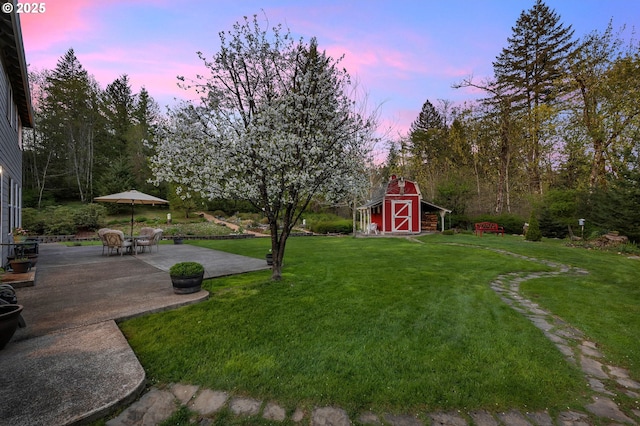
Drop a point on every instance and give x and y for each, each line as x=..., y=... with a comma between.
x=71, y=363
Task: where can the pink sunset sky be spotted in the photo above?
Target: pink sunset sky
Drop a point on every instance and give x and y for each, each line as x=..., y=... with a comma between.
x=401, y=52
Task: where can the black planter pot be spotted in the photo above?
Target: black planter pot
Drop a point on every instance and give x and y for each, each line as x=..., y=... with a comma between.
x=187, y=284
x=269, y=259
x=9, y=315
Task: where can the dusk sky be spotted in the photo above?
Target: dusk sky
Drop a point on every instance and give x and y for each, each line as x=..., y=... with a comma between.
x=401, y=52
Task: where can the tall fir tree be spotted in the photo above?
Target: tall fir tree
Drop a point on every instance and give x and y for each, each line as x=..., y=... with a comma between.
x=69, y=122
x=529, y=69
x=427, y=144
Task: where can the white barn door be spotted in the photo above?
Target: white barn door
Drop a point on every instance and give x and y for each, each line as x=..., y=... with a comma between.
x=401, y=216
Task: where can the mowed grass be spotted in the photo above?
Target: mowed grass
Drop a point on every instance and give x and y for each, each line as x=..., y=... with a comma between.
x=365, y=324
x=605, y=303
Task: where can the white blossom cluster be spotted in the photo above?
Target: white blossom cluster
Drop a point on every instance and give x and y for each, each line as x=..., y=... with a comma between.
x=273, y=126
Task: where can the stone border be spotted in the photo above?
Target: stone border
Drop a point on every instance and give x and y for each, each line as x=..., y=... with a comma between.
x=604, y=379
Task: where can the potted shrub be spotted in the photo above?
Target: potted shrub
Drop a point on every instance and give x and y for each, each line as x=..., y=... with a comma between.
x=186, y=277
x=20, y=265
x=175, y=234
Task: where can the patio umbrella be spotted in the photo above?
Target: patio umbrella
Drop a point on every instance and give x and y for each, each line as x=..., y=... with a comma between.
x=132, y=197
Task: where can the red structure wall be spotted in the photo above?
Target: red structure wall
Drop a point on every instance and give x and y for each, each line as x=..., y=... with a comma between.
x=400, y=210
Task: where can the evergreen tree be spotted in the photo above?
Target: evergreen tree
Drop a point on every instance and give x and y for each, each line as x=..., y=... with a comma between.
x=428, y=119
x=427, y=147
x=528, y=69
x=533, y=232
x=617, y=208
x=392, y=163
x=118, y=110
x=141, y=141
x=70, y=117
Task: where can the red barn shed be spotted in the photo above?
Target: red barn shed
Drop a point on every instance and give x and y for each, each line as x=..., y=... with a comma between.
x=398, y=207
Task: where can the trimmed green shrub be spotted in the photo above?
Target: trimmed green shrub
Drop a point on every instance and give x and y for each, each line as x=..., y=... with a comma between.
x=558, y=211
x=533, y=233
x=60, y=221
x=33, y=221
x=461, y=221
x=90, y=217
x=185, y=269
x=342, y=226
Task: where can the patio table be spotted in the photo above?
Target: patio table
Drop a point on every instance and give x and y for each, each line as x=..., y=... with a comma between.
x=133, y=248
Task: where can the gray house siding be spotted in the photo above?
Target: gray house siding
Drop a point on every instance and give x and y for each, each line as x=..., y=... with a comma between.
x=15, y=111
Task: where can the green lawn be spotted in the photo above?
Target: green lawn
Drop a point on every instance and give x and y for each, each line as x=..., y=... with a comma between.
x=392, y=325
x=605, y=304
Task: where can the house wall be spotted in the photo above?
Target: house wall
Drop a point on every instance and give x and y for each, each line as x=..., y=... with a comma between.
x=10, y=161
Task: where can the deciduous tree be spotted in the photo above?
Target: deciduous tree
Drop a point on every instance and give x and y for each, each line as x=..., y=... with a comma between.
x=274, y=126
x=605, y=76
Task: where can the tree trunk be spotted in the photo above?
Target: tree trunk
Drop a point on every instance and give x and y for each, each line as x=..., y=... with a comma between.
x=44, y=179
x=278, y=243
x=503, y=171
x=354, y=217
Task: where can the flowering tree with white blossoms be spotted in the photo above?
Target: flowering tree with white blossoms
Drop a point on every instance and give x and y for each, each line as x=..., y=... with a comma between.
x=274, y=125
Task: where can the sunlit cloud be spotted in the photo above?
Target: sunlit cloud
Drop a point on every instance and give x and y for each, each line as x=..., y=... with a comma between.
x=61, y=22
x=400, y=54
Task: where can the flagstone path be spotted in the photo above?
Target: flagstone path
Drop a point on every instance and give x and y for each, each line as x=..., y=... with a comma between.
x=606, y=380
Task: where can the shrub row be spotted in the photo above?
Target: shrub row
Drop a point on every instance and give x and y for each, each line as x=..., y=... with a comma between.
x=342, y=226
x=63, y=220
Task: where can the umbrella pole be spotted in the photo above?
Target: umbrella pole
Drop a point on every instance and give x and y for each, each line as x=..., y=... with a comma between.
x=131, y=220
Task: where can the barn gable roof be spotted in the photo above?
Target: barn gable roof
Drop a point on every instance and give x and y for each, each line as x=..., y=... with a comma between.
x=391, y=188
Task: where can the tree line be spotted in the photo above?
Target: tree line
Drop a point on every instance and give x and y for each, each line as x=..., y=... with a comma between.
x=87, y=141
x=557, y=132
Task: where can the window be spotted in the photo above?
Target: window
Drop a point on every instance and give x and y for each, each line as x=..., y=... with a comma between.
x=12, y=108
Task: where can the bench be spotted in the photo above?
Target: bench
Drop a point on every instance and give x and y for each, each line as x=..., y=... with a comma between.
x=482, y=227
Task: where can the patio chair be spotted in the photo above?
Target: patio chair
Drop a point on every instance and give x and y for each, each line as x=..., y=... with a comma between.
x=153, y=240
x=115, y=241
x=101, y=233
x=147, y=232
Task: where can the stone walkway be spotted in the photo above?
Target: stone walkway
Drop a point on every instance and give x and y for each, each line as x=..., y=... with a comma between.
x=606, y=381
